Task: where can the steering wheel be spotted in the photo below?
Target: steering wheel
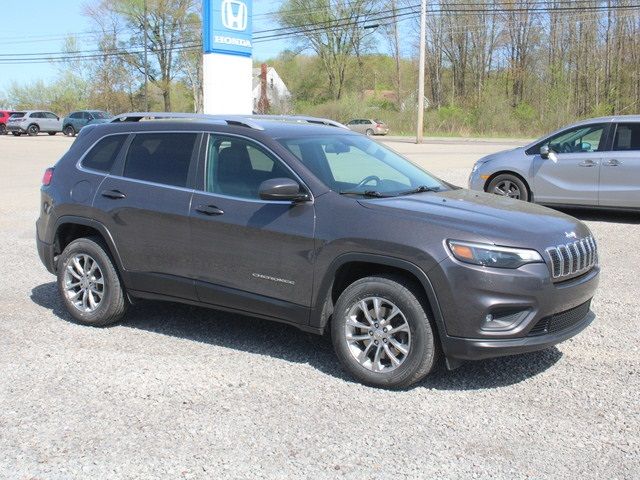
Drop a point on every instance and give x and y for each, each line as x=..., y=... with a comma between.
x=366, y=180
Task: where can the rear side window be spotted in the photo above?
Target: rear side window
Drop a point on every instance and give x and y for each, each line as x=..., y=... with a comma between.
x=627, y=137
x=18, y=114
x=104, y=153
x=160, y=158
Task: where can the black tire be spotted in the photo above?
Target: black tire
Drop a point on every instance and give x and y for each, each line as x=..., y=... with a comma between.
x=33, y=130
x=511, y=185
x=3, y=129
x=113, y=304
x=52, y=133
x=16, y=134
x=369, y=132
x=423, y=351
x=69, y=131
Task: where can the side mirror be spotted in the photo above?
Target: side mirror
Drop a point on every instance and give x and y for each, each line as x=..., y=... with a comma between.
x=283, y=189
x=544, y=152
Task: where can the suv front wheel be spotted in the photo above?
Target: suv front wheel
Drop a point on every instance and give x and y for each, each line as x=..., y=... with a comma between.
x=382, y=334
x=89, y=283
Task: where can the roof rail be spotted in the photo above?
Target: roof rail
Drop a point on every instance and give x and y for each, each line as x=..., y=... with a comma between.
x=301, y=119
x=241, y=120
x=228, y=119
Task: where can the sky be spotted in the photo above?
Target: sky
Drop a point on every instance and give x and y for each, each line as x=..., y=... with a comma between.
x=43, y=25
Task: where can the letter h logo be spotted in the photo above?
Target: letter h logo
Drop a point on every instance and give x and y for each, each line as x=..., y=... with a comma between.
x=234, y=14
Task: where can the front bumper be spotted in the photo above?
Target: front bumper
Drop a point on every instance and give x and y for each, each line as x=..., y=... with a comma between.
x=524, y=299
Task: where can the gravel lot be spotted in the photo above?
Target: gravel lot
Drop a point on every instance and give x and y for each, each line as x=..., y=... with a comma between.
x=184, y=392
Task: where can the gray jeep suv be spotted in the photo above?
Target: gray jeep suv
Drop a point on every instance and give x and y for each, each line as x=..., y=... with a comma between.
x=314, y=226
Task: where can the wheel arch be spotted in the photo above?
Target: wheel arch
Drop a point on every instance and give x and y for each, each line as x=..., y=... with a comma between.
x=509, y=172
x=70, y=228
x=350, y=267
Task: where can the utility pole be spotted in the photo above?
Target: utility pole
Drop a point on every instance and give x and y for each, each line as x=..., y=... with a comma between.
x=423, y=34
x=146, y=63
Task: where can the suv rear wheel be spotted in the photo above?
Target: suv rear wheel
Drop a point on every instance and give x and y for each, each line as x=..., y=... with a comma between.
x=381, y=333
x=89, y=283
x=33, y=130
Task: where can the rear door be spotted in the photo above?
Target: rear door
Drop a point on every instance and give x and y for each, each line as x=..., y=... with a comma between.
x=250, y=254
x=573, y=177
x=145, y=204
x=620, y=171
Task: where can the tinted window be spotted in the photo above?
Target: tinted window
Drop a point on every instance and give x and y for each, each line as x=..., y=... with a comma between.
x=50, y=115
x=102, y=156
x=36, y=115
x=160, y=158
x=237, y=167
x=18, y=114
x=75, y=115
x=627, y=137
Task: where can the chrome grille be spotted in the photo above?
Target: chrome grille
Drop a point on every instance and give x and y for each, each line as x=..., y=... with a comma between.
x=573, y=258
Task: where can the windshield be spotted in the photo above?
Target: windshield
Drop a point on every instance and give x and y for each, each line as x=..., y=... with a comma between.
x=356, y=164
x=100, y=115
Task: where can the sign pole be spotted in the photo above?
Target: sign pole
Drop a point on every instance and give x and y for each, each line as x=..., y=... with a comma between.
x=227, y=61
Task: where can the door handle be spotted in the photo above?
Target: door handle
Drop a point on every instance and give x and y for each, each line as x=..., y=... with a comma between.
x=613, y=163
x=113, y=194
x=588, y=163
x=209, y=210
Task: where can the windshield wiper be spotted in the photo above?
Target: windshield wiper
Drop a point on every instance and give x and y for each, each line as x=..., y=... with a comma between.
x=366, y=193
x=420, y=189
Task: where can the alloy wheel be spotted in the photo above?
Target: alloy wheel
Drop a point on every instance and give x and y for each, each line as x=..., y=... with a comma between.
x=84, y=283
x=377, y=334
x=507, y=188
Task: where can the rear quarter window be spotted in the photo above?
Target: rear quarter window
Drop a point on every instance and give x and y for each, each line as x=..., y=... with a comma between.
x=104, y=153
x=160, y=158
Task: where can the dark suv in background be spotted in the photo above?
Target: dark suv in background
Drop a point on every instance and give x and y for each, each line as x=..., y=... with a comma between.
x=314, y=226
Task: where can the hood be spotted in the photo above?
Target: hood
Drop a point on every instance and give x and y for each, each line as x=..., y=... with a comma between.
x=493, y=156
x=483, y=217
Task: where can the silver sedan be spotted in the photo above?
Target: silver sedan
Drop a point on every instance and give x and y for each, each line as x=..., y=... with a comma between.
x=593, y=163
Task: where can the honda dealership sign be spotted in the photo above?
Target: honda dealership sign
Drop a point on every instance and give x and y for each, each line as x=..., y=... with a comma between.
x=227, y=27
x=227, y=63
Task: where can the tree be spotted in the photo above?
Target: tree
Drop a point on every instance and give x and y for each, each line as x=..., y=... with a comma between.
x=333, y=29
x=167, y=25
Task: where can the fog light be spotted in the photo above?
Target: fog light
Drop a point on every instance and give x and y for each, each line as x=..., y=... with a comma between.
x=504, y=320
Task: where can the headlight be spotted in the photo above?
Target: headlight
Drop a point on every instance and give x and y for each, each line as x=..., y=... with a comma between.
x=491, y=255
x=475, y=168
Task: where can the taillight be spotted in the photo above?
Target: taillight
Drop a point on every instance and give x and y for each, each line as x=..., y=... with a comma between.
x=47, y=177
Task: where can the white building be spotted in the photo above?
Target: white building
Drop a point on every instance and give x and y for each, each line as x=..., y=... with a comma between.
x=278, y=94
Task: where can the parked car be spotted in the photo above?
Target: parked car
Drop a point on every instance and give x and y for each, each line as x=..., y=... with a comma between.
x=33, y=122
x=4, y=116
x=594, y=163
x=72, y=124
x=368, y=127
x=239, y=214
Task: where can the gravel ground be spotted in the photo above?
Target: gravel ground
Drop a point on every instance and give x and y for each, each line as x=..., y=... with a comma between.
x=184, y=392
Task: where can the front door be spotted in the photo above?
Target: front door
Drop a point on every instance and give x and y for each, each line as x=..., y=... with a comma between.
x=571, y=174
x=250, y=254
x=146, y=204
x=620, y=171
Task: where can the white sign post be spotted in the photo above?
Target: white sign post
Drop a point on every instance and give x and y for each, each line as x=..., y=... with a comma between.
x=227, y=64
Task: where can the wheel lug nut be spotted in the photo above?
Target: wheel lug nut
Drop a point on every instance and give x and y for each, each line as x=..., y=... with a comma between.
x=376, y=325
x=385, y=340
x=370, y=333
x=384, y=330
x=376, y=342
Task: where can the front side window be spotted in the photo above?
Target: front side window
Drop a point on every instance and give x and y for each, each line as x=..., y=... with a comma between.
x=588, y=138
x=236, y=167
x=160, y=158
x=75, y=115
x=104, y=153
x=355, y=163
x=627, y=137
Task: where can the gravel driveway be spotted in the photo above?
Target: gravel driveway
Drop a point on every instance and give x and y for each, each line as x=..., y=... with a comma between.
x=184, y=392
